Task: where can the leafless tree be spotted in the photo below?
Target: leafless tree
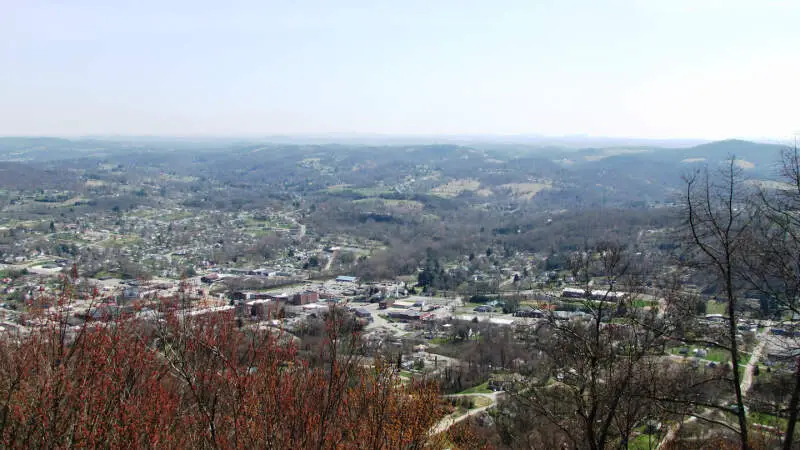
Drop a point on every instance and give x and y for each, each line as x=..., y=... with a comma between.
x=718, y=225
x=772, y=265
x=595, y=384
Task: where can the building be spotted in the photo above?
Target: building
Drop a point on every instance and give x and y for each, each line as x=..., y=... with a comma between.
x=362, y=313
x=605, y=295
x=278, y=297
x=346, y=279
x=305, y=297
x=527, y=311
x=210, y=278
x=260, y=308
x=715, y=318
x=573, y=293
x=404, y=314
x=385, y=303
x=315, y=308
x=402, y=304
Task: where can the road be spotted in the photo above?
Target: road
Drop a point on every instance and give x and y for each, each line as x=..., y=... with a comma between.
x=330, y=260
x=747, y=382
x=673, y=430
x=449, y=421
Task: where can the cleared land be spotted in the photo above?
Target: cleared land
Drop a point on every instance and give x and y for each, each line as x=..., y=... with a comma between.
x=456, y=187
x=527, y=190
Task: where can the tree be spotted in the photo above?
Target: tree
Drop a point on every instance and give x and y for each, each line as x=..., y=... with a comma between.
x=511, y=304
x=717, y=225
x=346, y=257
x=771, y=266
x=200, y=382
x=595, y=381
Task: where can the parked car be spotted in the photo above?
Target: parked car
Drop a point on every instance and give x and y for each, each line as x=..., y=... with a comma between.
x=483, y=309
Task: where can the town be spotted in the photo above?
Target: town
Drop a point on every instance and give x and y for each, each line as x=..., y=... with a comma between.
x=493, y=321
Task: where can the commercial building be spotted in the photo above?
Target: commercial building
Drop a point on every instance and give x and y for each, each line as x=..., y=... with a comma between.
x=305, y=297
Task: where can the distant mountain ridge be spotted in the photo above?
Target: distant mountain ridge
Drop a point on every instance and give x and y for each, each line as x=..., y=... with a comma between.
x=628, y=174
x=759, y=157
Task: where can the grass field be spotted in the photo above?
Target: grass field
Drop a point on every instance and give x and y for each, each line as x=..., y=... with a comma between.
x=714, y=307
x=644, y=303
x=391, y=203
x=456, y=187
x=526, y=190
x=178, y=215
x=479, y=389
x=644, y=442
x=365, y=191
x=767, y=419
x=121, y=241
x=717, y=355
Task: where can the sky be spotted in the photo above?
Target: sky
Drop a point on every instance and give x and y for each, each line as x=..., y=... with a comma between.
x=705, y=69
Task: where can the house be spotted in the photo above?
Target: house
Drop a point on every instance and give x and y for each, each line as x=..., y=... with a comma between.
x=362, y=313
x=568, y=315
x=210, y=278
x=346, y=279
x=265, y=272
x=385, y=303
x=527, y=311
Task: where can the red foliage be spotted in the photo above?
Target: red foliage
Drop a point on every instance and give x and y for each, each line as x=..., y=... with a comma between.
x=200, y=382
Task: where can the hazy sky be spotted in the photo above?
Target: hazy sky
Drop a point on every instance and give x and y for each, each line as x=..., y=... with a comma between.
x=638, y=68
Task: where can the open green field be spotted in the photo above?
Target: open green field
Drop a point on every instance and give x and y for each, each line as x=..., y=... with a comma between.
x=479, y=389
x=176, y=216
x=456, y=187
x=391, y=203
x=717, y=355
x=69, y=237
x=644, y=441
x=107, y=274
x=714, y=307
x=372, y=191
x=644, y=303
x=121, y=241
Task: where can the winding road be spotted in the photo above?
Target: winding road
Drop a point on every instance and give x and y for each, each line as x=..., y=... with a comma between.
x=449, y=420
x=747, y=382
